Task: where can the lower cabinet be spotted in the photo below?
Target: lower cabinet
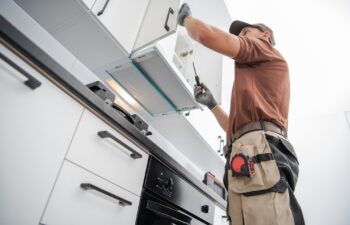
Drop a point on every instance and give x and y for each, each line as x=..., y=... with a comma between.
x=220, y=217
x=102, y=150
x=80, y=197
x=37, y=123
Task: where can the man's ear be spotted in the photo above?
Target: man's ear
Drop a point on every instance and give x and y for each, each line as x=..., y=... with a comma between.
x=266, y=35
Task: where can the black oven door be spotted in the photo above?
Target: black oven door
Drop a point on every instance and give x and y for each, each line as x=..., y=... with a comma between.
x=154, y=211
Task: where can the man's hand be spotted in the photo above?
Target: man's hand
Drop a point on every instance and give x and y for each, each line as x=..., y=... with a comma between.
x=184, y=12
x=206, y=97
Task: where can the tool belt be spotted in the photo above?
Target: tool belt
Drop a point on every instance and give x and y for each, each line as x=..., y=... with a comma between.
x=250, y=127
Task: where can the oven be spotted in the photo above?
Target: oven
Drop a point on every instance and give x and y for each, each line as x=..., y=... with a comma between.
x=167, y=199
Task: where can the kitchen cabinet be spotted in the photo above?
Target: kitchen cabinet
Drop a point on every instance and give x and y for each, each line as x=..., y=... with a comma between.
x=205, y=124
x=90, y=43
x=53, y=14
x=220, y=217
x=159, y=21
x=214, y=70
x=80, y=197
x=38, y=35
x=100, y=149
x=215, y=135
x=76, y=28
x=198, y=119
x=137, y=23
x=106, y=35
x=122, y=19
x=190, y=56
x=207, y=62
x=88, y=3
x=112, y=34
x=37, y=124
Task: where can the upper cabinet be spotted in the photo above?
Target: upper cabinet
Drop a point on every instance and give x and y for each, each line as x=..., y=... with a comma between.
x=137, y=23
x=122, y=19
x=52, y=14
x=191, y=57
x=134, y=46
x=159, y=21
x=102, y=33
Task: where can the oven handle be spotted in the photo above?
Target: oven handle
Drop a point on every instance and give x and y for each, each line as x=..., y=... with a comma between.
x=168, y=213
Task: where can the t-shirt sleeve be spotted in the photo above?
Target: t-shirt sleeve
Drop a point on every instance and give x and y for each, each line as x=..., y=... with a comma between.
x=253, y=50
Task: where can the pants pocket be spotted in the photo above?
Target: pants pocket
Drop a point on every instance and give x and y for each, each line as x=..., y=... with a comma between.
x=286, y=159
x=271, y=208
x=266, y=173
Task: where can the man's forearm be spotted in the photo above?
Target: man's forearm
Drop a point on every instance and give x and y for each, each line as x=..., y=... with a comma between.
x=220, y=116
x=212, y=37
x=196, y=28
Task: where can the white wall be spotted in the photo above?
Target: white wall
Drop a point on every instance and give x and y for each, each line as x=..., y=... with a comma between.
x=322, y=143
x=314, y=38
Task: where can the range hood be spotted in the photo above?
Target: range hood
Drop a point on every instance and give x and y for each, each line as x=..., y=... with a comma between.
x=154, y=83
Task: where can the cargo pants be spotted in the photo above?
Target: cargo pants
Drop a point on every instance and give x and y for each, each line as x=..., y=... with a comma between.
x=267, y=198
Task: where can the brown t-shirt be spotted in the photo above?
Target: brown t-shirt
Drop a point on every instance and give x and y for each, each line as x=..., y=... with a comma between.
x=261, y=88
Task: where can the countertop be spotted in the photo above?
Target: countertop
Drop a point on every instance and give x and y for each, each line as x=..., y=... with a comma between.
x=75, y=88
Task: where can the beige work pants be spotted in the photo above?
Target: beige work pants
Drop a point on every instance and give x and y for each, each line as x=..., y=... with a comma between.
x=249, y=202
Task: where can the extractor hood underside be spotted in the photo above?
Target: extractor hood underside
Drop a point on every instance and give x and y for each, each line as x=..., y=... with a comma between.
x=154, y=83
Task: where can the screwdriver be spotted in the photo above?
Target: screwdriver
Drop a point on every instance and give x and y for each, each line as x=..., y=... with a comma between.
x=196, y=75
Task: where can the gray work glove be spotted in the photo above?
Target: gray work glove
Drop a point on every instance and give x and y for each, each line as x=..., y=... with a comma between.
x=204, y=96
x=184, y=12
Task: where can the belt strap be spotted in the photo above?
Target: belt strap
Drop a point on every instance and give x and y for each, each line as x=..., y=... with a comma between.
x=259, y=125
x=254, y=126
x=262, y=157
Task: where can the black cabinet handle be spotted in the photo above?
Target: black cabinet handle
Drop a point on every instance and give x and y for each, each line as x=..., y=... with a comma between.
x=166, y=26
x=205, y=208
x=103, y=9
x=105, y=134
x=31, y=82
x=88, y=186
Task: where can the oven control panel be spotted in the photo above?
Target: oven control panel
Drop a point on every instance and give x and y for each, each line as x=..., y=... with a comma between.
x=168, y=185
x=165, y=185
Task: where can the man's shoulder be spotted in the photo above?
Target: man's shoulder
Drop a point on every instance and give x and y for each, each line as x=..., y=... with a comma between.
x=254, y=49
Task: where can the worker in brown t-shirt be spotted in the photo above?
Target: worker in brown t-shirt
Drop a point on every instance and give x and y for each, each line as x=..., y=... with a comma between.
x=262, y=168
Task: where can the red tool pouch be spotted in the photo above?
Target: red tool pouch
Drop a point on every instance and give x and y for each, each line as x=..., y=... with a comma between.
x=243, y=165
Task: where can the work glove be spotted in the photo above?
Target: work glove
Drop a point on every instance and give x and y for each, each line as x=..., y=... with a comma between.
x=184, y=12
x=204, y=96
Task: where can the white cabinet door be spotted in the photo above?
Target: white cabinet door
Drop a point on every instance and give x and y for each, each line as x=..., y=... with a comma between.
x=72, y=24
x=205, y=123
x=121, y=18
x=137, y=23
x=52, y=14
x=87, y=3
x=220, y=217
x=214, y=130
x=199, y=120
x=159, y=21
x=91, y=44
x=70, y=204
x=36, y=129
x=109, y=157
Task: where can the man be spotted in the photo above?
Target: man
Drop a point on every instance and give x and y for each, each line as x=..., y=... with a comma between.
x=262, y=167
